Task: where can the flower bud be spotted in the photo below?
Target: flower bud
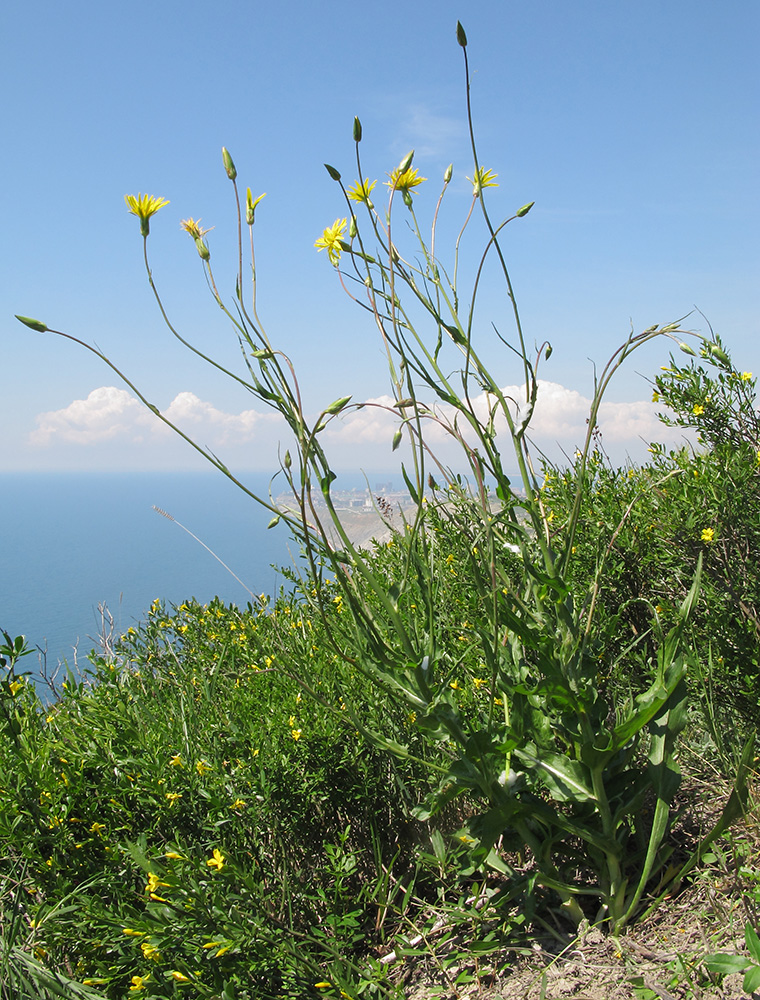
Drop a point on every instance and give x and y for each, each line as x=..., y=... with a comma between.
x=33, y=324
x=229, y=166
x=352, y=230
x=357, y=130
x=461, y=37
x=406, y=162
x=396, y=440
x=203, y=251
x=449, y=172
x=338, y=405
x=688, y=349
x=287, y=461
x=718, y=354
x=524, y=210
x=335, y=174
x=250, y=205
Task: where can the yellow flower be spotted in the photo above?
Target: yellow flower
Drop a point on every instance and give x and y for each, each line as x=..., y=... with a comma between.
x=296, y=734
x=15, y=687
x=176, y=761
x=97, y=828
x=150, y=951
x=217, y=861
x=194, y=228
x=361, y=191
x=292, y=722
x=746, y=376
x=708, y=534
x=144, y=206
x=173, y=856
x=179, y=977
x=404, y=181
x=131, y=933
x=330, y=240
x=655, y=397
x=483, y=179
x=698, y=409
x=173, y=796
x=238, y=804
x=154, y=882
x=479, y=682
x=138, y=983
x=201, y=767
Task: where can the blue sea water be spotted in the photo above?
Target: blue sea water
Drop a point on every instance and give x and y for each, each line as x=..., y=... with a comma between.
x=69, y=542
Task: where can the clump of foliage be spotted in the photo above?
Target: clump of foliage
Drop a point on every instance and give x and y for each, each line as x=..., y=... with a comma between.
x=281, y=783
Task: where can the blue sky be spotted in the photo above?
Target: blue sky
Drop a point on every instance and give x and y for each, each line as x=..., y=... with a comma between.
x=632, y=125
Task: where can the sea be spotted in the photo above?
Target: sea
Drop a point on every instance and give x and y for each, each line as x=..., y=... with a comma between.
x=75, y=544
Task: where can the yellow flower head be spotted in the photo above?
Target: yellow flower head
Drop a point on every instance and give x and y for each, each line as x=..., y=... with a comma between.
x=217, y=861
x=144, y=206
x=15, y=687
x=201, y=767
x=150, y=951
x=179, y=977
x=138, y=983
x=176, y=761
x=330, y=240
x=405, y=180
x=193, y=228
x=708, y=534
x=238, y=804
x=296, y=734
x=698, y=410
x=361, y=191
x=746, y=376
x=483, y=179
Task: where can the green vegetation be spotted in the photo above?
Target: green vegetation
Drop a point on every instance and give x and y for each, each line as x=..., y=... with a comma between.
x=474, y=723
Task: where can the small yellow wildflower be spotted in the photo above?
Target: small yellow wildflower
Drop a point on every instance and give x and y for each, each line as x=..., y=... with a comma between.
x=217, y=861
x=193, y=228
x=138, y=983
x=483, y=179
x=698, y=410
x=404, y=181
x=708, y=534
x=173, y=856
x=150, y=951
x=176, y=761
x=131, y=933
x=330, y=240
x=296, y=734
x=746, y=376
x=361, y=191
x=479, y=682
x=292, y=722
x=180, y=978
x=97, y=828
x=201, y=767
x=655, y=397
x=454, y=685
x=15, y=687
x=172, y=797
x=144, y=206
x=154, y=882
x=238, y=804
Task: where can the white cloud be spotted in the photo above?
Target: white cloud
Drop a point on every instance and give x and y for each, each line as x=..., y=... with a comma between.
x=109, y=413
x=113, y=418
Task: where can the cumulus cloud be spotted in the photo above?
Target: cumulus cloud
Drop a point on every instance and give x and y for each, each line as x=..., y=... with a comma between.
x=109, y=413
x=360, y=437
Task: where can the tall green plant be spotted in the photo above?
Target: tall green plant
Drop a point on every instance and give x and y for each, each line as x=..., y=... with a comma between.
x=544, y=761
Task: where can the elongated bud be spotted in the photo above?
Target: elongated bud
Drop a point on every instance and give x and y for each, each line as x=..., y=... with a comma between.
x=274, y=522
x=229, y=166
x=287, y=461
x=688, y=349
x=406, y=162
x=33, y=324
x=524, y=210
x=203, y=251
x=461, y=37
x=548, y=352
x=357, y=130
x=250, y=206
x=338, y=405
x=448, y=174
x=335, y=174
x=352, y=227
x=718, y=353
x=396, y=440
